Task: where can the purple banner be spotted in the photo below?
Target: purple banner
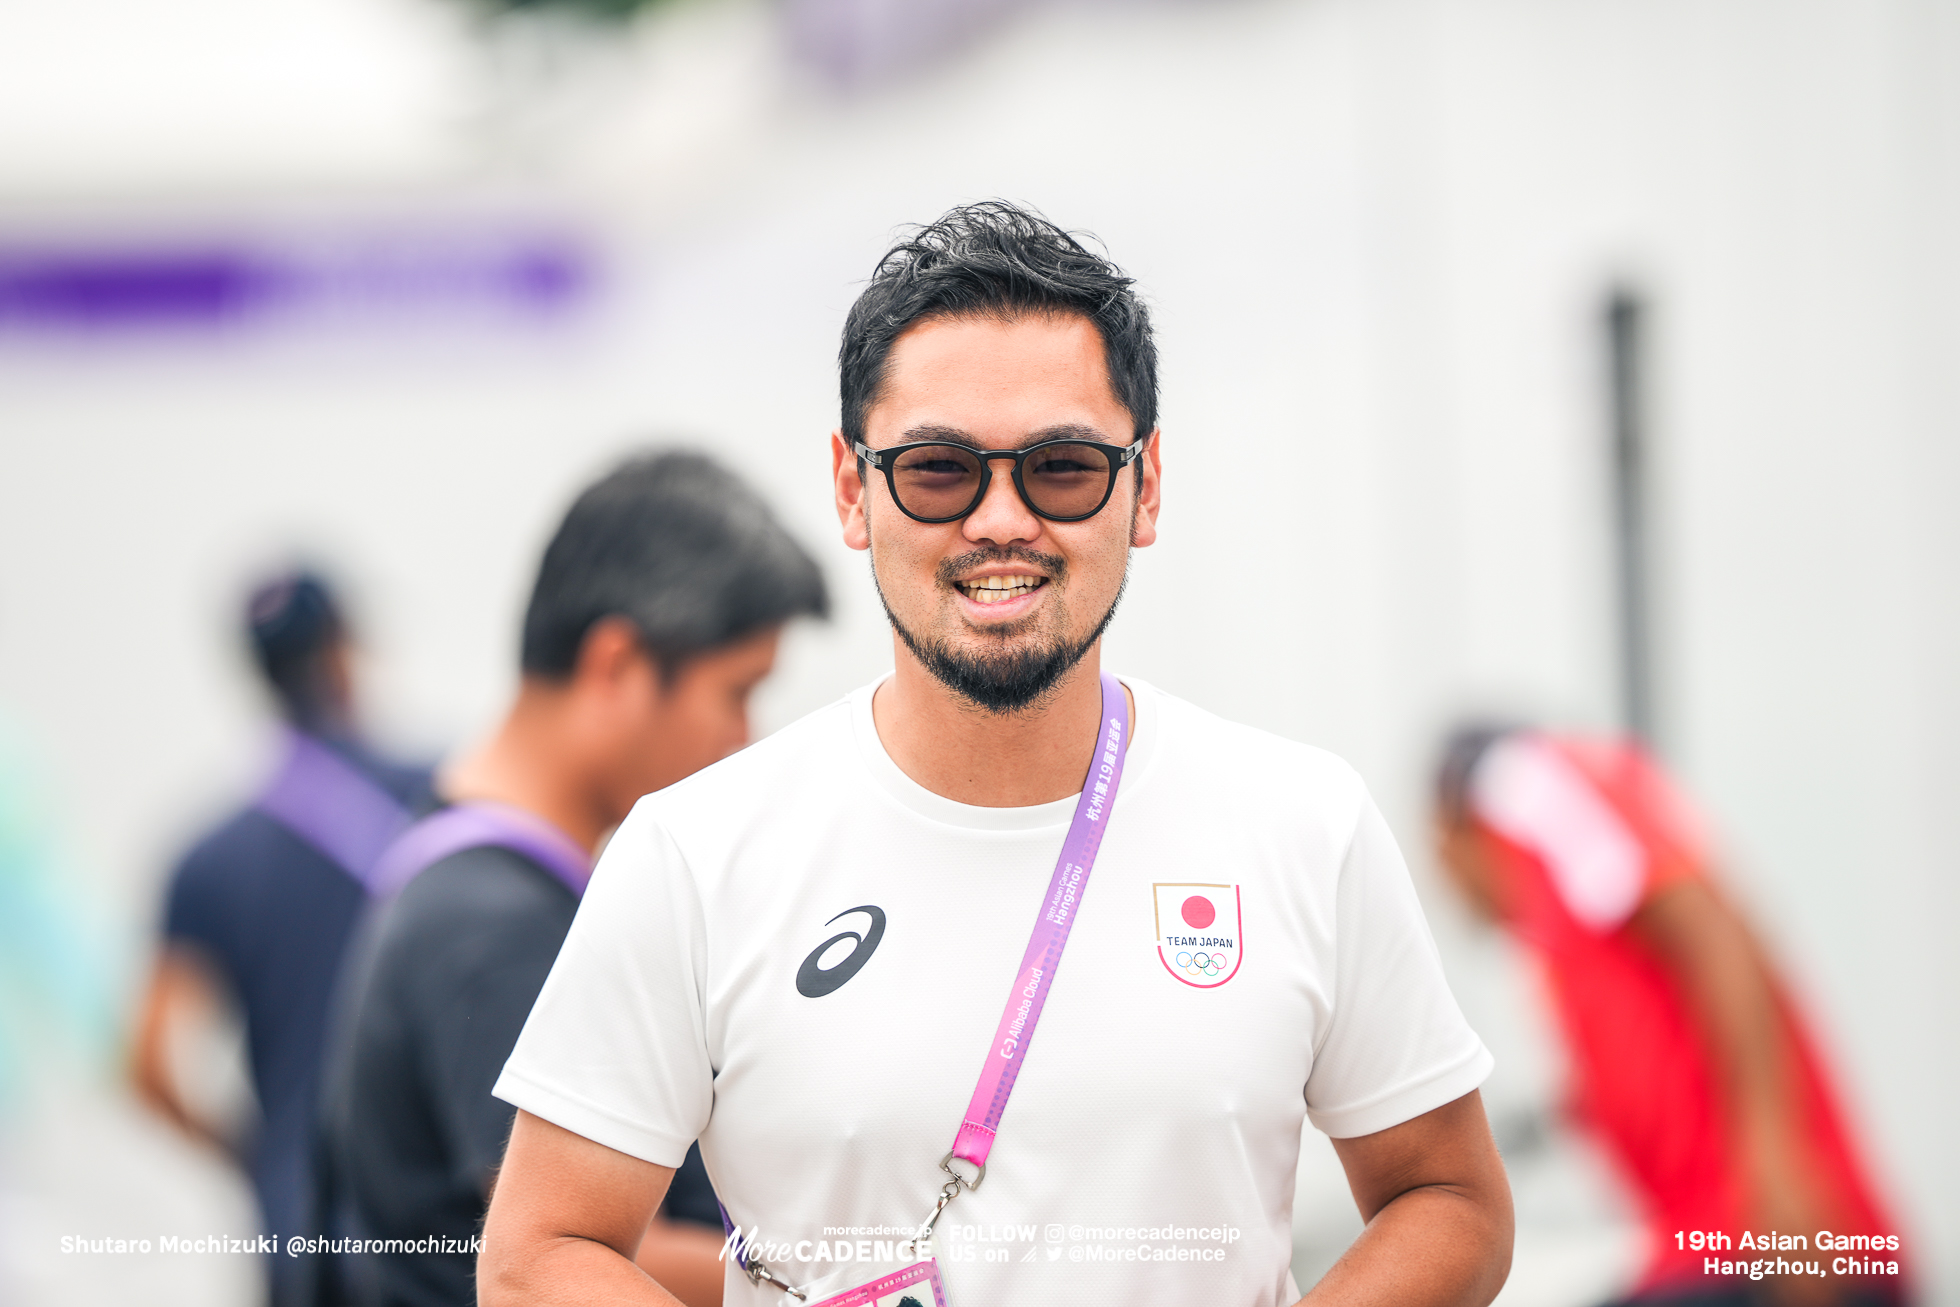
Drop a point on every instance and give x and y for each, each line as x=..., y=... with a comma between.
x=64, y=286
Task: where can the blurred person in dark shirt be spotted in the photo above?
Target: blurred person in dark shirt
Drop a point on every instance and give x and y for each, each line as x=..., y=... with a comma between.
x=656, y=611
x=1689, y=1061
x=258, y=914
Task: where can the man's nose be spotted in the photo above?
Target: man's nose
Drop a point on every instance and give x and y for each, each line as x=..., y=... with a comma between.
x=1001, y=518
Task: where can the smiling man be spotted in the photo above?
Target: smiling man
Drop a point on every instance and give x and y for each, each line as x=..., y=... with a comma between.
x=798, y=955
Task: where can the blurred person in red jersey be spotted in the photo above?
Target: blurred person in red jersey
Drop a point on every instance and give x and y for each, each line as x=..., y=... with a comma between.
x=1689, y=1060
x=258, y=914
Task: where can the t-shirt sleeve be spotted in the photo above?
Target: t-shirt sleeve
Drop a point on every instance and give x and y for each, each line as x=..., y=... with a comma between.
x=200, y=924
x=1397, y=1045
x=616, y=1048
x=196, y=908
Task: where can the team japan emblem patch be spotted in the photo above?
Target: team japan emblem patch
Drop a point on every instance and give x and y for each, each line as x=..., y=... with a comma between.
x=1198, y=932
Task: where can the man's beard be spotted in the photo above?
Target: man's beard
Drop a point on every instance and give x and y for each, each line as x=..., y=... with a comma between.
x=1010, y=679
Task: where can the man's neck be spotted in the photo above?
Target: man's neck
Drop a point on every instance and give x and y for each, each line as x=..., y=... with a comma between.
x=989, y=759
x=527, y=764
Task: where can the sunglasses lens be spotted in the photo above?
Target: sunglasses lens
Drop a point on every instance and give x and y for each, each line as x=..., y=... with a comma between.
x=1067, y=480
x=936, y=481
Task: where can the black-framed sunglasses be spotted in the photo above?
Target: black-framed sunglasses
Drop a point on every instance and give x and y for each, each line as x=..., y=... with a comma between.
x=1062, y=480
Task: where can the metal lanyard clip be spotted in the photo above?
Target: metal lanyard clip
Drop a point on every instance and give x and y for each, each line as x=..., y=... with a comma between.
x=952, y=1188
x=760, y=1274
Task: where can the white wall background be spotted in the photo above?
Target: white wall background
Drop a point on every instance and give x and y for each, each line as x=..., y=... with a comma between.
x=1376, y=233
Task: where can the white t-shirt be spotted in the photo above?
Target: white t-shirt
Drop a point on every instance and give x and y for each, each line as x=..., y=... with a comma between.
x=1150, y=1145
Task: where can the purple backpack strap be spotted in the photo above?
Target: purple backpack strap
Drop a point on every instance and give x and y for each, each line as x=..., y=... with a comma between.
x=476, y=825
x=326, y=801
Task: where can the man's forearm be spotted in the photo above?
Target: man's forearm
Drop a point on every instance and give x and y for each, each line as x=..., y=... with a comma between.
x=686, y=1260
x=1438, y=1207
x=1731, y=993
x=179, y=992
x=551, y=1184
x=565, y=1270
x=1431, y=1247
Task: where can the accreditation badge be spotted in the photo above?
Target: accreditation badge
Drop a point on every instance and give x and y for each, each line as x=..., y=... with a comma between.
x=1199, y=934
x=917, y=1285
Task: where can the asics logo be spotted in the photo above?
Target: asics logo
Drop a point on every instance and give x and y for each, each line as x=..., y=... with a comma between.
x=814, y=980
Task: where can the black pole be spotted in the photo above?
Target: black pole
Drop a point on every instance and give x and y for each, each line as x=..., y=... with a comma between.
x=1626, y=316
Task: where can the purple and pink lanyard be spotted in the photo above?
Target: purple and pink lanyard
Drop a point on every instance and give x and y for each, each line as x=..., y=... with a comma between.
x=1037, y=973
x=1024, y=1002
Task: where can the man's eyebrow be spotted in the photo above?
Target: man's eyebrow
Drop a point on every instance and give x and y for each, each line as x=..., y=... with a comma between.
x=929, y=431
x=1069, y=431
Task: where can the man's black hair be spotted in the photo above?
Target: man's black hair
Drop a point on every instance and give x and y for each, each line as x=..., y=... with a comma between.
x=1463, y=748
x=292, y=621
x=680, y=547
x=996, y=259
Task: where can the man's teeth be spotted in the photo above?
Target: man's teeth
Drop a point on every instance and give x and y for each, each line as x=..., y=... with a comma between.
x=997, y=589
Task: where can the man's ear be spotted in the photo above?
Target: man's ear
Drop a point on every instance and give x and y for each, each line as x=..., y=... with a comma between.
x=1150, y=493
x=849, y=488
x=337, y=663
x=610, y=653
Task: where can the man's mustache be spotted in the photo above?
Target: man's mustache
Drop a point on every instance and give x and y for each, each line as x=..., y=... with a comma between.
x=1053, y=566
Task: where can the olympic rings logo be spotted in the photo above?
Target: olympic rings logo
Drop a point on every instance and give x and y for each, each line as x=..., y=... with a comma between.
x=1207, y=965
